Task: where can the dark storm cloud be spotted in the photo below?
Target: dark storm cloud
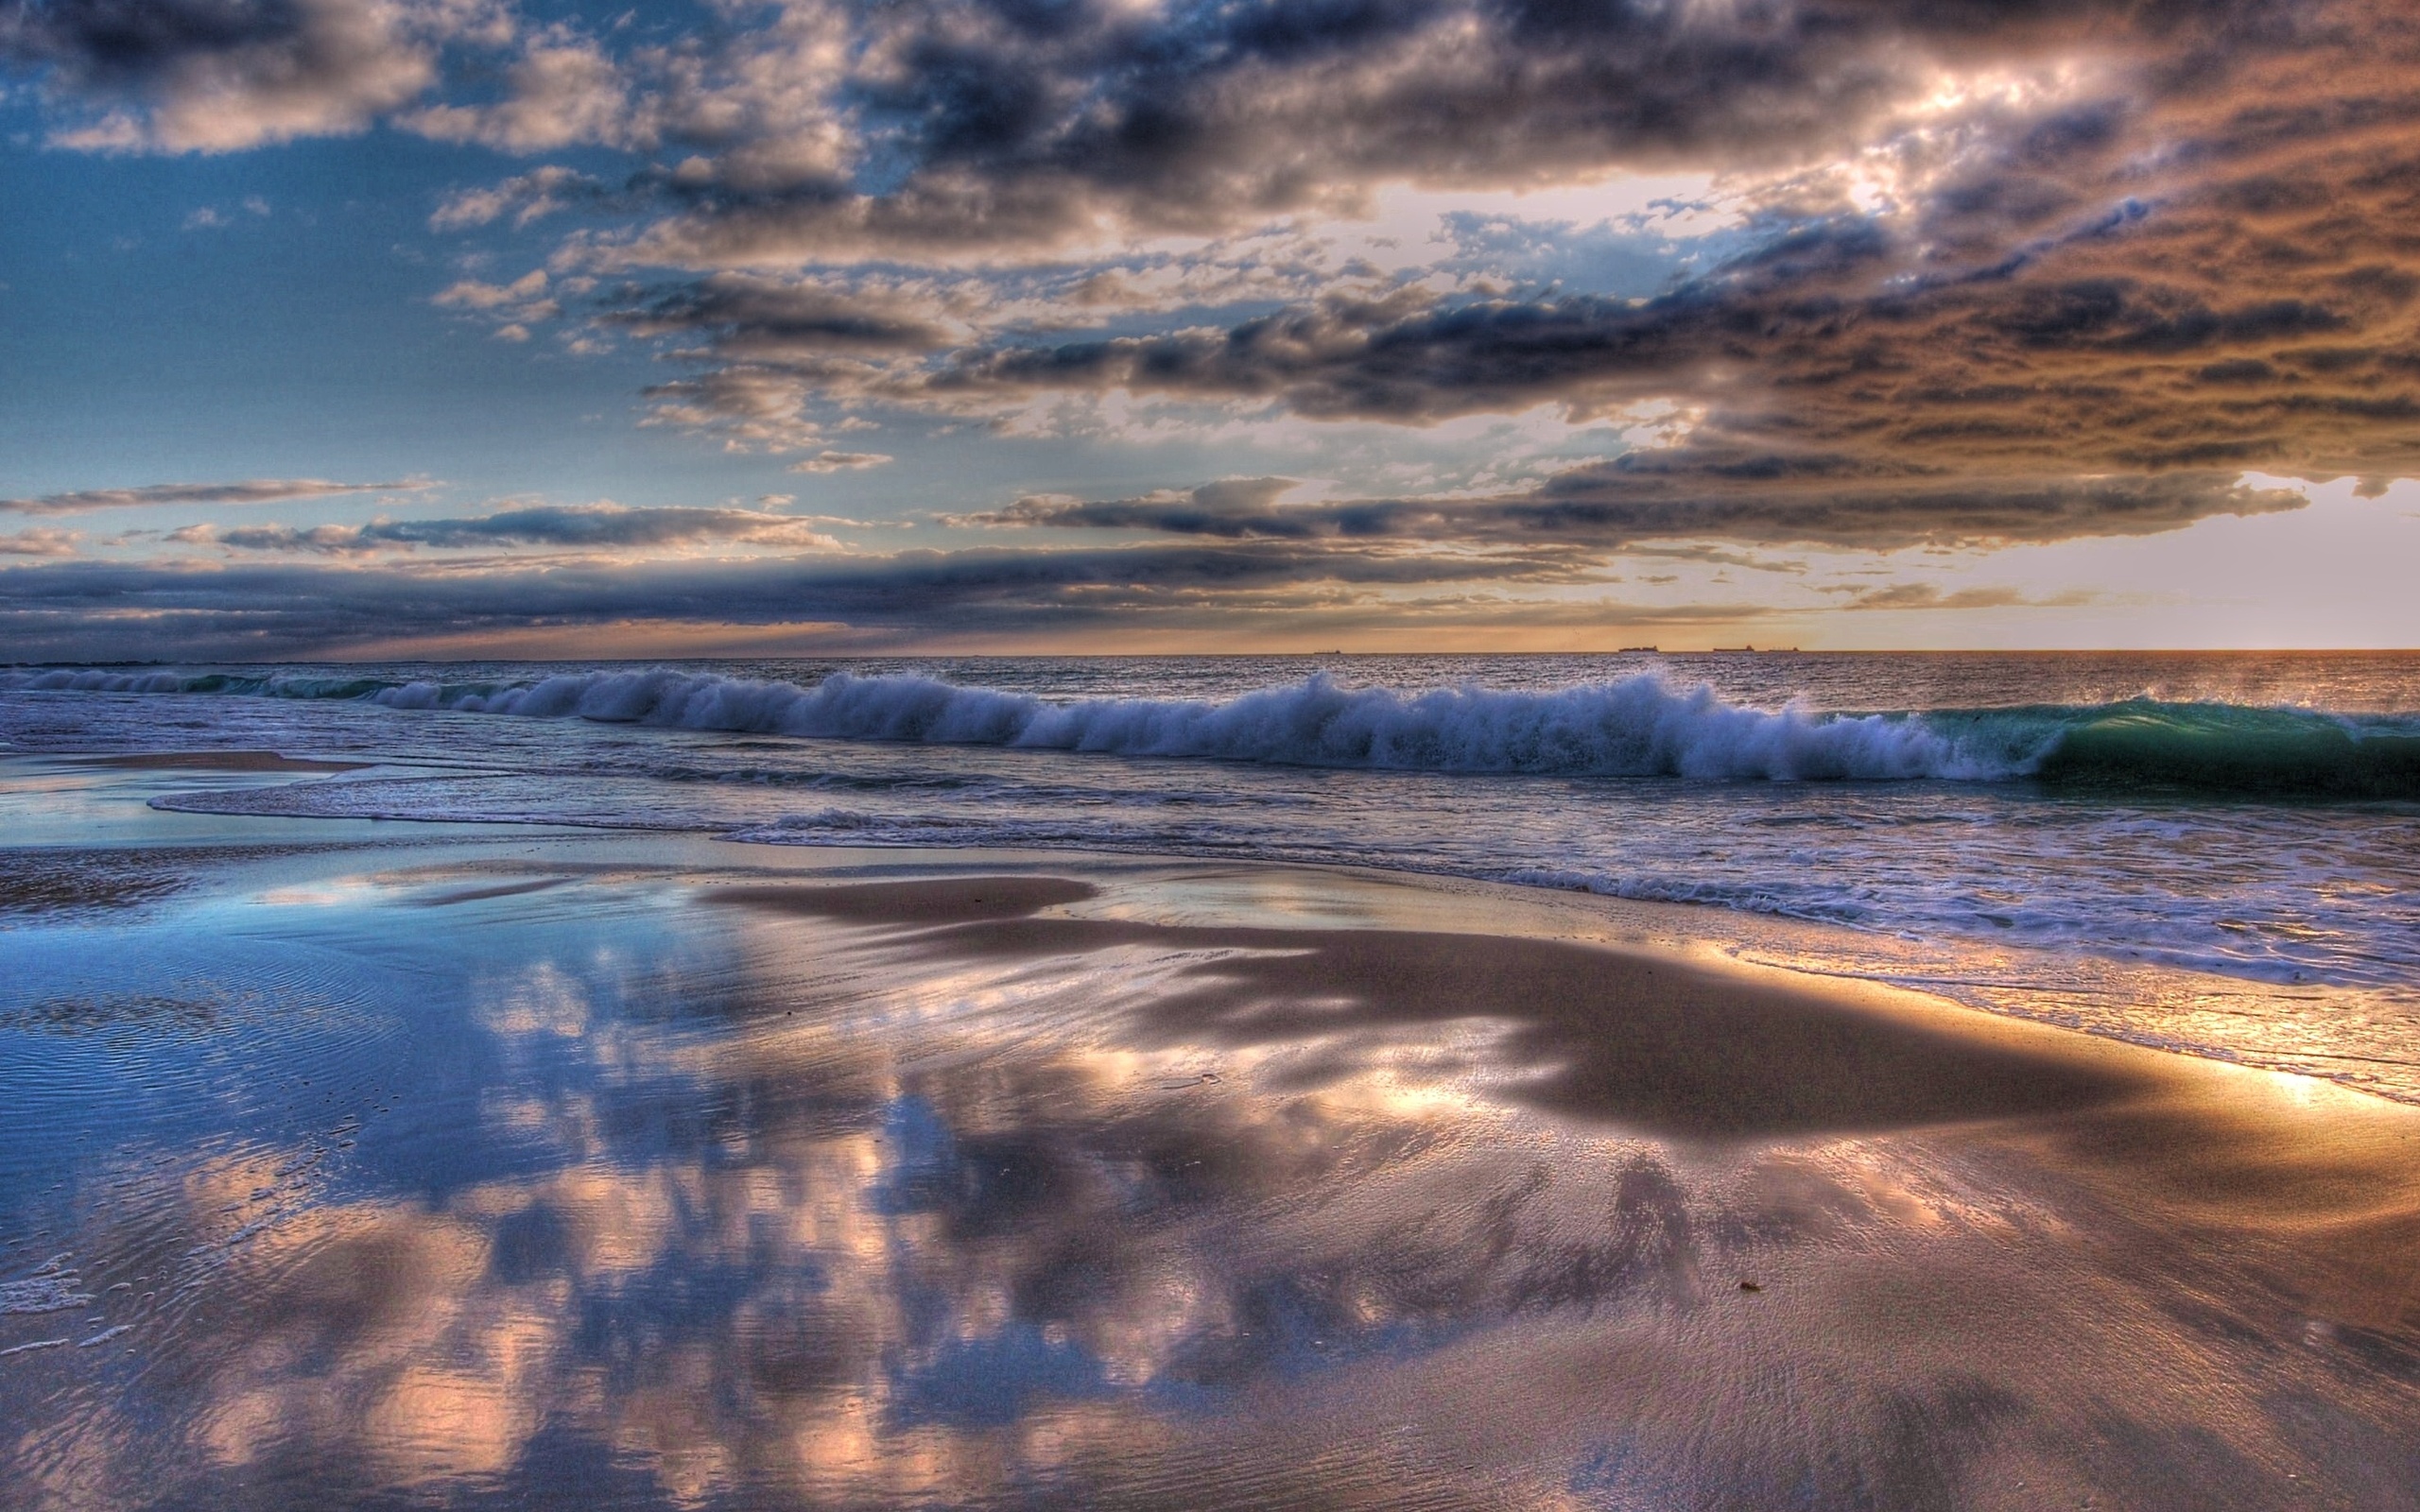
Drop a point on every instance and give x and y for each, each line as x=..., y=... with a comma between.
x=98, y=43
x=222, y=75
x=2134, y=344
x=2079, y=310
x=89, y=609
x=997, y=122
x=2085, y=324
x=1008, y=124
x=747, y=316
x=2012, y=271
x=1617, y=504
x=1611, y=502
x=251, y=491
x=1233, y=509
x=578, y=528
x=1415, y=359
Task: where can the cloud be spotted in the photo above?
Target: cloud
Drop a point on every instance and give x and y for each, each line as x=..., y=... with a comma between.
x=220, y=76
x=1613, y=501
x=40, y=542
x=1987, y=271
x=805, y=132
x=1009, y=128
x=470, y=293
x=604, y=527
x=271, y=610
x=749, y=408
x=1929, y=596
x=251, y=491
x=514, y=307
x=1233, y=509
x=209, y=217
x=563, y=91
x=1616, y=504
x=752, y=316
x=1822, y=348
x=784, y=348
x=1843, y=367
x=829, y=461
x=526, y=197
x=2062, y=268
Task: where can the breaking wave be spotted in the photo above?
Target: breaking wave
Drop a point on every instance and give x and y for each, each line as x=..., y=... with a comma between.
x=1638, y=727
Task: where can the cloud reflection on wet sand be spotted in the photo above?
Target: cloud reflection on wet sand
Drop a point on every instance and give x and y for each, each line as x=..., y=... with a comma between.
x=1002, y=1190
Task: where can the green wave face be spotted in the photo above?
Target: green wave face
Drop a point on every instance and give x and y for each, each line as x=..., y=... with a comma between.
x=2225, y=748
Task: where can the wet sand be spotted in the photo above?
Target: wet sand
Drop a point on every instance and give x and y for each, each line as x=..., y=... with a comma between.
x=218, y=761
x=618, y=1171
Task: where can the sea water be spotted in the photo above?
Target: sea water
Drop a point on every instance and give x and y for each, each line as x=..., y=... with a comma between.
x=2220, y=853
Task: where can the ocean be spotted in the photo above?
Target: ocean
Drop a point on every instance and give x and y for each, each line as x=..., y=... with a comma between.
x=2216, y=853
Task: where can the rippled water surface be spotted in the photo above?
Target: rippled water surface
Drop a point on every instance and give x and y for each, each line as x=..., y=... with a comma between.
x=2217, y=852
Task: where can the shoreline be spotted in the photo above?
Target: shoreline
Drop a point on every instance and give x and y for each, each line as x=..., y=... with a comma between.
x=2094, y=998
x=689, y=1169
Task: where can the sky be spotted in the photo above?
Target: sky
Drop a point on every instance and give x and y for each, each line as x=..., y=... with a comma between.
x=351, y=329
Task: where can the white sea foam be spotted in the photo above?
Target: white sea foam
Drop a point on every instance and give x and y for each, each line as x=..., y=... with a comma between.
x=1640, y=727
x=68, y=680
x=29, y=1348
x=52, y=1288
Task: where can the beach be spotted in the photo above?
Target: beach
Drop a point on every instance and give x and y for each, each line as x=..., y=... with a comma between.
x=1210, y=756
x=377, y=1163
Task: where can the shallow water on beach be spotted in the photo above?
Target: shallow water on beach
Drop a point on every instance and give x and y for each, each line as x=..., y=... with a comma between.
x=401, y=1165
x=2219, y=853
x=474, y=1161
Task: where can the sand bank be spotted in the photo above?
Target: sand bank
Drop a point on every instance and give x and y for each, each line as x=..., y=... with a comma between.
x=631, y=1172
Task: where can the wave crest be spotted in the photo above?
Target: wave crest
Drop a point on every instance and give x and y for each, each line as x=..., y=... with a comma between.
x=1638, y=727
